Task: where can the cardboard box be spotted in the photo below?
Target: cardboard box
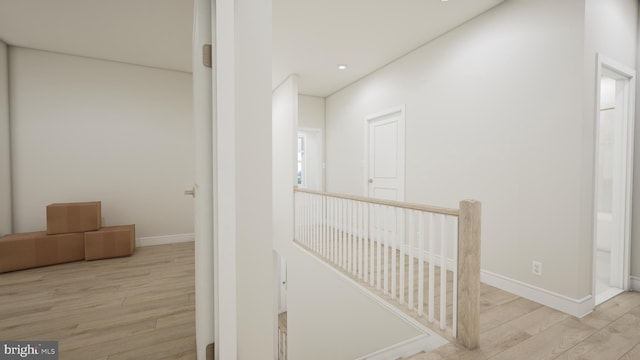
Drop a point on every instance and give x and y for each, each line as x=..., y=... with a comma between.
x=74, y=217
x=29, y=250
x=110, y=242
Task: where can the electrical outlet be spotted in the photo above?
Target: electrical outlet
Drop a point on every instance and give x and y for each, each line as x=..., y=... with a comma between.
x=536, y=268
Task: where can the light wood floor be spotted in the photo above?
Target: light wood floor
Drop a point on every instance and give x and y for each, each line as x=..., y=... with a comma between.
x=139, y=307
x=514, y=328
x=142, y=307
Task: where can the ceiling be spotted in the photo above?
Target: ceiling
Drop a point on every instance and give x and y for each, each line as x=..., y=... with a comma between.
x=310, y=37
x=147, y=32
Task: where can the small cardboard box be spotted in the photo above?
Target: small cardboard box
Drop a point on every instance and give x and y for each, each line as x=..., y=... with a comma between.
x=29, y=250
x=74, y=217
x=110, y=242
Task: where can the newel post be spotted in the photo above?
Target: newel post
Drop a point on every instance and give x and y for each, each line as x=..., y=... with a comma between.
x=469, y=273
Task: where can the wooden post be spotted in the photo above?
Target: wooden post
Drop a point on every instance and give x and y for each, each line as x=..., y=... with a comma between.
x=469, y=273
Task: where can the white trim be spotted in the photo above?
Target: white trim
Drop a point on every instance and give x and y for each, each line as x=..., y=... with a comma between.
x=635, y=283
x=401, y=148
x=164, y=240
x=608, y=294
x=436, y=340
x=604, y=62
x=616, y=66
x=403, y=349
x=575, y=307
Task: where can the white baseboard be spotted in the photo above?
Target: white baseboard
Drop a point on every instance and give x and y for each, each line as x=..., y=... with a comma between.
x=403, y=349
x=164, y=240
x=575, y=307
x=608, y=294
x=635, y=283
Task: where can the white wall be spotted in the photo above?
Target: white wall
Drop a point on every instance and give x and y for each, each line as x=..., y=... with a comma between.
x=311, y=112
x=284, y=110
x=6, y=222
x=611, y=29
x=494, y=112
x=635, y=231
x=311, y=122
x=85, y=129
x=225, y=183
x=253, y=180
x=320, y=303
x=284, y=116
x=328, y=318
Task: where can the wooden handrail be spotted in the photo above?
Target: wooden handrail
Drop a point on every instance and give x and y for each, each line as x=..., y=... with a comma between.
x=404, y=205
x=343, y=232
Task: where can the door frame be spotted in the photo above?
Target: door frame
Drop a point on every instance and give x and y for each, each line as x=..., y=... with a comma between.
x=320, y=134
x=606, y=64
x=205, y=237
x=304, y=159
x=282, y=283
x=401, y=147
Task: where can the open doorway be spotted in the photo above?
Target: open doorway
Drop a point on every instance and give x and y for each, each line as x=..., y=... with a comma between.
x=613, y=175
x=310, y=159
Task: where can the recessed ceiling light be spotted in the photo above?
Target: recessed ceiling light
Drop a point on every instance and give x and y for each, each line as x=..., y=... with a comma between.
x=342, y=67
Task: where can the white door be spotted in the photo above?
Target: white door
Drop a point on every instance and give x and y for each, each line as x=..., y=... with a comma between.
x=385, y=170
x=385, y=152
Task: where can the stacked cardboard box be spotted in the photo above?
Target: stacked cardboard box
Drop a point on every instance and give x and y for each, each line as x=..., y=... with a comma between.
x=74, y=232
x=74, y=217
x=29, y=250
x=109, y=242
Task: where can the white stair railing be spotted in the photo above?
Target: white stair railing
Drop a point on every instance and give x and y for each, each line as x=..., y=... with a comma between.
x=384, y=243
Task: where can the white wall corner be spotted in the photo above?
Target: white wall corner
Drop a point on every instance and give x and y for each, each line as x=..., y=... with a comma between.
x=571, y=306
x=635, y=283
x=164, y=240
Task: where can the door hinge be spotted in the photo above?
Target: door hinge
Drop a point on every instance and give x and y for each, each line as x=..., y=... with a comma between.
x=206, y=55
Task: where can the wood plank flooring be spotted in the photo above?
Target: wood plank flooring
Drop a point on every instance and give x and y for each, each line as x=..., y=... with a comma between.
x=516, y=328
x=139, y=307
x=142, y=307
